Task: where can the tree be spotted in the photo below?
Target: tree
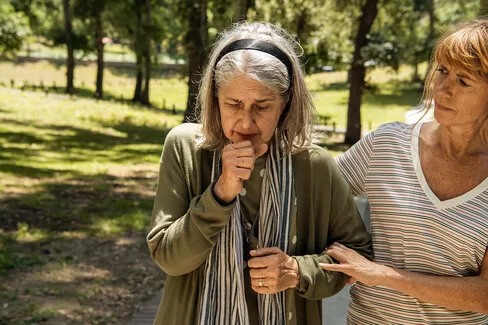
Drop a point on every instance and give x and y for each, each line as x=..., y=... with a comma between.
x=483, y=7
x=92, y=11
x=13, y=29
x=152, y=18
x=147, y=54
x=138, y=49
x=70, y=62
x=242, y=7
x=99, y=36
x=196, y=41
x=357, y=72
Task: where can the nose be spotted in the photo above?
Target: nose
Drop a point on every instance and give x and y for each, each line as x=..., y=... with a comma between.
x=247, y=118
x=444, y=85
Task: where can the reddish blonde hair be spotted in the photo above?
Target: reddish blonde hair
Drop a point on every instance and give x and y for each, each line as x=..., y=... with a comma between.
x=466, y=47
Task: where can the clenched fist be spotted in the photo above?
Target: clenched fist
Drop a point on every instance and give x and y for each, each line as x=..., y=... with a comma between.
x=237, y=165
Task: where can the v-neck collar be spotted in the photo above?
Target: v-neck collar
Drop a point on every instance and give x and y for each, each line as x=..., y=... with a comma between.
x=415, y=144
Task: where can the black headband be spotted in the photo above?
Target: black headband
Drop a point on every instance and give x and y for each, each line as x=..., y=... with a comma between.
x=258, y=45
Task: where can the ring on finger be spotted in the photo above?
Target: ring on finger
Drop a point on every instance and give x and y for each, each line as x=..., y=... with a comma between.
x=260, y=282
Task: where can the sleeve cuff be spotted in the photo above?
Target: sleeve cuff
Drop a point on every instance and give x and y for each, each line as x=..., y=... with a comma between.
x=304, y=280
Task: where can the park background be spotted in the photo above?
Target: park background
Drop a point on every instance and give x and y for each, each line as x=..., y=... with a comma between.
x=90, y=88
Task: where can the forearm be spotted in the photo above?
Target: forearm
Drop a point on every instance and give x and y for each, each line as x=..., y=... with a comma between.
x=315, y=283
x=182, y=245
x=458, y=293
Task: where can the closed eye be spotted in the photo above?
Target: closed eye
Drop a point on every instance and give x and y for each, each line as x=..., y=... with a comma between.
x=462, y=82
x=233, y=105
x=261, y=107
x=442, y=70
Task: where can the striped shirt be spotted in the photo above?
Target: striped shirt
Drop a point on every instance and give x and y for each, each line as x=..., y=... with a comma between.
x=411, y=228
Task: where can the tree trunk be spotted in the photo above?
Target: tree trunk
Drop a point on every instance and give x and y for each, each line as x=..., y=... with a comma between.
x=483, y=7
x=242, y=7
x=431, y=36
x=70, y=63
x=100, y=61
x=138, y=52
x=139, y=77
x=197, y=37
x=358, y=72
x=147, y=55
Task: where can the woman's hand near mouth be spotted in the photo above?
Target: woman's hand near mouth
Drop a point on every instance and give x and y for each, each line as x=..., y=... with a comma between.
x=237, y=165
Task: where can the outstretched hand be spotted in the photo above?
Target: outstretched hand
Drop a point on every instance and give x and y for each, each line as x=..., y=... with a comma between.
x=237, y=165
x=355, y=265
x=272, y=270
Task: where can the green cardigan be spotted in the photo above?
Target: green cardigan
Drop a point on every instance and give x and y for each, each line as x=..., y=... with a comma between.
x=187, y=219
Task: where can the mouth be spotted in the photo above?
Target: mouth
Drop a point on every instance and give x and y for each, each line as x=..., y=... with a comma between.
x=245, y=136
x=442, y=108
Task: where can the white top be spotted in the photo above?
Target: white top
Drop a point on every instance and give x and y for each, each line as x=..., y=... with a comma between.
x=411, y=228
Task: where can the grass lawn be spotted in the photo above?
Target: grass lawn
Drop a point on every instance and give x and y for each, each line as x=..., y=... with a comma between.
x=119, y=83
x=388, y=98
x=77, y=181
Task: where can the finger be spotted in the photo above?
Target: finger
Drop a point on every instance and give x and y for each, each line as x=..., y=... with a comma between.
x=350, y=280
x=330, y=267
x=242, y=162
x=265, y=251
x=258, y=262
x=259, y=273
x=336, y=253
x=341, y=247
x=264, y=257
x=231, y=152
x=258, y=282
x=241, y=173
x=260, y=149
x=263, y=290
x=240, y=144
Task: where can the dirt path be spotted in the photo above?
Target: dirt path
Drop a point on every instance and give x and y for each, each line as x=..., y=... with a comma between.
x=72, y=276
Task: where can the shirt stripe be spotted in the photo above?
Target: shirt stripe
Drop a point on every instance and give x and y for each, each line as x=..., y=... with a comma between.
x=410, y=230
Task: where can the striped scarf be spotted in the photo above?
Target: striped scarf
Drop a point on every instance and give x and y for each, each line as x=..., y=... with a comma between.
x=223, y=299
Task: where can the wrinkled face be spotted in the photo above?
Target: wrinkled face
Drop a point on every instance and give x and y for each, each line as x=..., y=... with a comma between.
x=460, y=97
x=249, y=110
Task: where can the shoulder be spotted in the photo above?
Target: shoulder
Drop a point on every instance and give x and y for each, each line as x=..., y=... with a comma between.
x=185, y=131
x=184, y=135
x=394, y=129
x=183, y=142
x=386, y=134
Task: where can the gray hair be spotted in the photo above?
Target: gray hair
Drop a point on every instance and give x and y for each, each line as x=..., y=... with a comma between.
x=295, y=125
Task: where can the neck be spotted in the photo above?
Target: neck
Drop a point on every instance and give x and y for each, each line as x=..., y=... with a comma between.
x=460, y=141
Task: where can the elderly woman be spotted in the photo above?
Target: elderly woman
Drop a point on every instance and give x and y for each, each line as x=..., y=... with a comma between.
x=245, y=204
x=428, y=189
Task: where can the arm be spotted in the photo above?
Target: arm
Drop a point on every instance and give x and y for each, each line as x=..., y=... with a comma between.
x=460, y=293
x=185, y=224
x=332, y=216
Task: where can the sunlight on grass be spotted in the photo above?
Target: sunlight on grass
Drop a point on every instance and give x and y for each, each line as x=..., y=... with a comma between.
x=137, y=221
x=24, y=234
x=79, y=136
x=118, y=82
x=388, y=100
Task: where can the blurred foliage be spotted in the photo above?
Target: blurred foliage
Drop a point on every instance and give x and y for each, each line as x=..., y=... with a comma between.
x=13, y=29
x=325, y=28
